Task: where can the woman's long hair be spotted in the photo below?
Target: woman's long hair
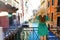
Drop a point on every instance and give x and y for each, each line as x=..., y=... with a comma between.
x=42, y=11
x=42, y=19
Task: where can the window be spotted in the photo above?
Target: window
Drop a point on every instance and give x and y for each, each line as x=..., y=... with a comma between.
x=58, y=9
x=58, y=2
x=48, y=4
x=52, y=17
x=52, y=2
x=58, y=21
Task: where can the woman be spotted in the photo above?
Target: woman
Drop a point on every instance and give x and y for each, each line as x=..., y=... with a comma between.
x=42, y=27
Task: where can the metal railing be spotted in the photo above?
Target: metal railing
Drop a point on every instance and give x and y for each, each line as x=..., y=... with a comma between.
x=12, y=34
x=31, y=33
x=28, y=33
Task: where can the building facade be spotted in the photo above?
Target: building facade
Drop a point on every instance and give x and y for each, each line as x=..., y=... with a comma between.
x=54, y=12
x=7, y=7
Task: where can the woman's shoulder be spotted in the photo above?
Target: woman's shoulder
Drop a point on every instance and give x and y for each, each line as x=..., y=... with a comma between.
x=46, y=15
x=37, y=17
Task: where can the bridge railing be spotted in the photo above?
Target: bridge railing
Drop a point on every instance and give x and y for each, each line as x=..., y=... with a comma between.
x=28, y=33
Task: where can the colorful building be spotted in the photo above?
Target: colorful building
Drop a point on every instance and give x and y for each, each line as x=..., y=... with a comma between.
x=54, y=14
x=54, y=11
x=6, y=9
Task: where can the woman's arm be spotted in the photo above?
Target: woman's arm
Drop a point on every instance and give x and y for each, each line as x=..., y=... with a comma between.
x=47, y=20
x=37, y=14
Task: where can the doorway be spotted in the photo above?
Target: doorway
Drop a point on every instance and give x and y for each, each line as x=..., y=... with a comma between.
x=58, y=21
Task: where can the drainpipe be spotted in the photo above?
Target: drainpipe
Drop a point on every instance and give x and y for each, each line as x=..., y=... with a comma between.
x=22, y=9
x=50, y=15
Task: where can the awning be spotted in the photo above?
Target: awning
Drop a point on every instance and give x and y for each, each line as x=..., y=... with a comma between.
x=7, y=8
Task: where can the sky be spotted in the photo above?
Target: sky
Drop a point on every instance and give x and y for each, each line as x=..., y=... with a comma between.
x=32, y=5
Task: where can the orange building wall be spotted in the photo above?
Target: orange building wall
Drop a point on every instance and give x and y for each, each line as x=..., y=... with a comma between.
x=52, y=9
